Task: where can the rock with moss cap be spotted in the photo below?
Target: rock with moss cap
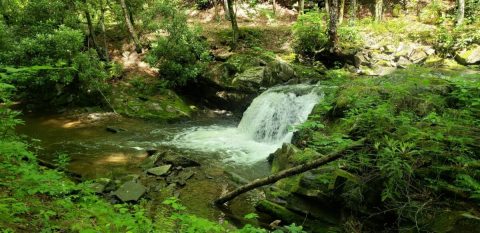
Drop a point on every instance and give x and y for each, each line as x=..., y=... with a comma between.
x=469, y=56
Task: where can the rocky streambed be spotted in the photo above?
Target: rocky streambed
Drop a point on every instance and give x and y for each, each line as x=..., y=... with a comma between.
x=129, y=160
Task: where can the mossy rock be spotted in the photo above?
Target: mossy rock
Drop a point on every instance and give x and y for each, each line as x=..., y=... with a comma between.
x=282, y=158
x=165, y=105
x=243, y=62
x=289, y=216
x=469, y=56
x=250, y=80
x=278, y=211
x=222, y=74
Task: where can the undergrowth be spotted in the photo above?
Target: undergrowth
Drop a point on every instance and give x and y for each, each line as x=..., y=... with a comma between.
x=422, y=131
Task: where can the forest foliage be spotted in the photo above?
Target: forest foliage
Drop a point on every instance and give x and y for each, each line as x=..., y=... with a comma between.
x=421, y=124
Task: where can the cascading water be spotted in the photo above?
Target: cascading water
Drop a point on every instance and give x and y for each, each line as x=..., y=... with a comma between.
x=265, y=125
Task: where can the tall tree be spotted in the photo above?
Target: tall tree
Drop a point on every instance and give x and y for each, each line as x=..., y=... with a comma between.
x=301, y=7
x=85, y=7
x=460, y=11
x=225, y=9
x=378, y=10
x=103, y=9
x=332, y=27
x=353, y=10
x=233, y=20
x=341, y=12
x=274, y=6
x=131, y=29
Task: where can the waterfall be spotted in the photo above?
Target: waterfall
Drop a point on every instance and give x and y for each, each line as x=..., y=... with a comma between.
x=272, y=114
x=264, y=127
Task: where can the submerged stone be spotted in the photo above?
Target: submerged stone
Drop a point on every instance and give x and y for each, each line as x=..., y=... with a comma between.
x=181, y=178
x=177, y=160
x=113, y=129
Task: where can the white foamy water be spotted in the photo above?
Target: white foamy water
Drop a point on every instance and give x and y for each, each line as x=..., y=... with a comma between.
x=265, y=126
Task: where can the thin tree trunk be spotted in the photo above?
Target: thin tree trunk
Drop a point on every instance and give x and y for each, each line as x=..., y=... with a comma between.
x=104, y=32
x=378, y=10
x=461, y=11
x=274, y=7
x=131, y=30
x=353, y=10
x=91, y=32
x=287, y=173
x=225, y=9
x=132, y=19
x=341, y=12
x=233, y=19
x=327, y=6
x=301, y=7
x=332, y=27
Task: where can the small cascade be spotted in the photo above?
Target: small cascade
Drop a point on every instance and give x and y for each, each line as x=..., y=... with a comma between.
x=264, y=127
x=272, y=114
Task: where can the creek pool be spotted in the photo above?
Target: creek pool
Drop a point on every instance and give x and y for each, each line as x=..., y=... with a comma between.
x=95, y=152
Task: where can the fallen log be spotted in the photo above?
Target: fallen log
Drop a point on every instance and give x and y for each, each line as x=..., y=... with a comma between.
x=288, y=172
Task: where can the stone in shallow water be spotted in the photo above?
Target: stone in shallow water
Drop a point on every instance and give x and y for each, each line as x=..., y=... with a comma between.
x=130, y=191
x=159, y=171
x=181, y=178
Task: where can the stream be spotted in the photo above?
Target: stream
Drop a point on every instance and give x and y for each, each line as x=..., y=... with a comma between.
x=222, y=145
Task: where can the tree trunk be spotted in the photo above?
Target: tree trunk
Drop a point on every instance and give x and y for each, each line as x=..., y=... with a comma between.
x=233, y=19
x=274, y=7
x=378, y=10
x=131, y=30
x=327, y=6
x=341, y=12
x=225, y=9
x=91, y=32
x=460, y=11
x=104, y=33
x=287, y=173
x=332, y=27
x=353, y=10
x=301, y=7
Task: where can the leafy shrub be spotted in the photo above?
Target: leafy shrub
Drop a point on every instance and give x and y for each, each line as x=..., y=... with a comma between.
x=419, y=129
x=432, y=13
x=448, y=40
x=310, y=35
x=181, y=54
x=472, y=9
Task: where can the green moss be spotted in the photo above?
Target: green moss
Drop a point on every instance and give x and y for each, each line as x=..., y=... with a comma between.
x=245, y=61
x=159, y=104
x=278, y=211
x=455, y=221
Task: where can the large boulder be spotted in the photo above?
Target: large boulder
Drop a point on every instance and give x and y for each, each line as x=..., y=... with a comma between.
x=127, y=99
x=281, y=159
x=361, y=59
x=469, y=56
x=250, y=80
x=277, y=72
x=403, y=62
x=418, y=55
